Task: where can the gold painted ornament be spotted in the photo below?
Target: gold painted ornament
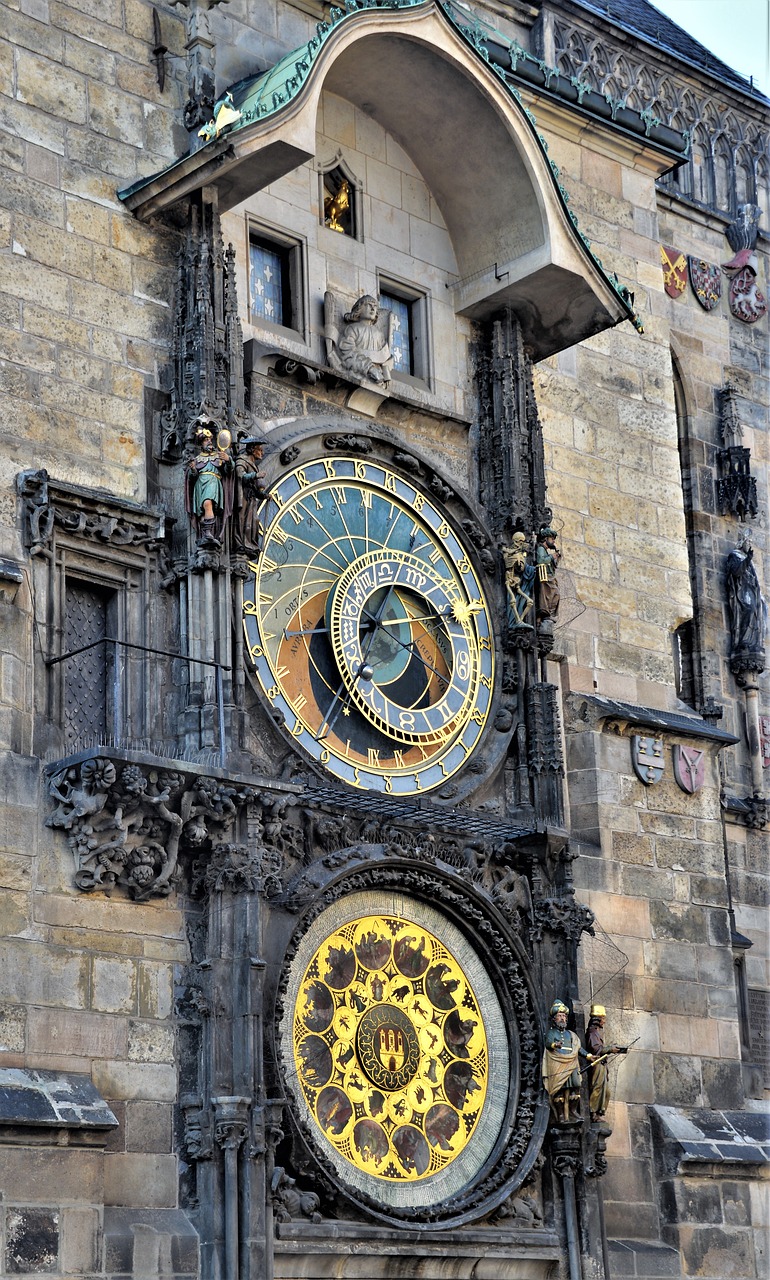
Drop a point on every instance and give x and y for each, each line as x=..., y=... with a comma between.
x=390, y=1048
x=368, y=627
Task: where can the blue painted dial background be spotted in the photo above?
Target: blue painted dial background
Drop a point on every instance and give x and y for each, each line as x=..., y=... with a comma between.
x=318, y=520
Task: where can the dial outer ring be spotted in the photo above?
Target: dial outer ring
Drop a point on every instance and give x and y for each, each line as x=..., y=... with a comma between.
x=279, y=515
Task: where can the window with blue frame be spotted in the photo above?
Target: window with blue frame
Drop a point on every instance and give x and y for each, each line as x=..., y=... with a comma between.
x=402, y=343
x=272, y=282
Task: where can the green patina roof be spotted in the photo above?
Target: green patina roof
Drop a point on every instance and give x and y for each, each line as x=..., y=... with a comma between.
x=265, y=95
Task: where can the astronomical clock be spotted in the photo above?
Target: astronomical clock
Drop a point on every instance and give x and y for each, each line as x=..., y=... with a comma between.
x=405, y=1030
x=369, y=628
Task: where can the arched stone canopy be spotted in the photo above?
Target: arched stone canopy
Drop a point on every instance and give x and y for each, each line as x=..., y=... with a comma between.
x=484, y=162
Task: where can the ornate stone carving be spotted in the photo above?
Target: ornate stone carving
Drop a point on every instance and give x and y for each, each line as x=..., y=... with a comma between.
x=128, y=824
x=207, y=345
x=562, y=915
x=510, y=454
x=596, y=59
x=348, y=443
x=239, y=868
x=50, y=504
x=519, y=582
x=290, y=1202
x=197, y=1139
x=358, y=341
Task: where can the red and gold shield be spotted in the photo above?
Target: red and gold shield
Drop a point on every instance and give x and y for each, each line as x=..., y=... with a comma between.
x=706, y=281
x=689, y=768
x=674, y=266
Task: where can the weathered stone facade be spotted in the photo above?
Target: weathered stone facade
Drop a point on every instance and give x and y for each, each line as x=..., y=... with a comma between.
x=166, y=843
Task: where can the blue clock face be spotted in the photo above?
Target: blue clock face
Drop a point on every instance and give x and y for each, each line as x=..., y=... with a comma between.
x=368, y=627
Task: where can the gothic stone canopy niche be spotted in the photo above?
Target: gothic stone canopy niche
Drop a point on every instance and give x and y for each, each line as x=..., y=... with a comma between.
x=514, y=239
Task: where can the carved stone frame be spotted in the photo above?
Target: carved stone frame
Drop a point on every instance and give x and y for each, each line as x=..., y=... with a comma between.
x=518, y=1144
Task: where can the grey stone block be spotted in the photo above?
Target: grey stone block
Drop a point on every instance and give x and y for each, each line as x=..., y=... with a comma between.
x=31, y=1241
x=145, y=1241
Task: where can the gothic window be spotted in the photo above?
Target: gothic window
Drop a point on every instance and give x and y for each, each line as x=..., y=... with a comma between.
x=275, y=279
x=88, y=612
x=703, y=188
x=409, y=344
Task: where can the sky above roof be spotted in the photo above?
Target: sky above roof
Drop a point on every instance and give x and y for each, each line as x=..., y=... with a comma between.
x=736, y=31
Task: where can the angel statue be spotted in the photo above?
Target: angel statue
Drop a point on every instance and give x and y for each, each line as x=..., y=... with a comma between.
x=358, y=341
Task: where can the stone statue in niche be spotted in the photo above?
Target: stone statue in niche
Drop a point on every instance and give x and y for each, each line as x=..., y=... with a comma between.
x=249, y=493
x=208, y=484
x=519, y=581
x=561, y=1066
x=358, y=341
x=748, y=609
x=547, y=558
x=598, y=1076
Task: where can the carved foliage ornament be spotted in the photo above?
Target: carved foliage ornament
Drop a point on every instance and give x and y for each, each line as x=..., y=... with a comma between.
x=49, y=505
x=127, y=825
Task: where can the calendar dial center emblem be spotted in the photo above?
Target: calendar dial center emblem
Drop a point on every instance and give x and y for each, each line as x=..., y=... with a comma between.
x=368, y=626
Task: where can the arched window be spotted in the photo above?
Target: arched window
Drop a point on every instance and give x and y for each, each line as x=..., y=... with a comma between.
x=687, y=650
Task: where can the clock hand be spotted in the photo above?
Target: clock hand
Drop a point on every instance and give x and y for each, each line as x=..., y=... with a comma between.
x=329, y=719
x=409, y=647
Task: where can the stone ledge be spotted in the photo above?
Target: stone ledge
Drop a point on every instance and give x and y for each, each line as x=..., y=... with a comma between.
x=714, y=1143
x=51, y=1101
x=643, y=1260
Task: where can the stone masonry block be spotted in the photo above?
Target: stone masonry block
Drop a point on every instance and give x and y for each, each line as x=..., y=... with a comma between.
x=52, y=88
x=149, y=1242
x=82, y=1034
x=146, y=1181
x=32, y=1241
x=114, y=985
x=150, y=1042
x=148, y=1127
x=42, y=1176
x=677, y=1080
x=33, y=974
x=80, y=1240
x=716, y=1253
x=127, y=1080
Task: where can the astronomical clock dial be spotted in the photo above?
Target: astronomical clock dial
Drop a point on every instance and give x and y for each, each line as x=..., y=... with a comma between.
x=368, y=627
x=395, y=1049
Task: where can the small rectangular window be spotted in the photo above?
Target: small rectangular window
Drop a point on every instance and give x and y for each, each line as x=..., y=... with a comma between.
x=275, y=281
x=402, y=344
x=409, y=344
x=88, y=611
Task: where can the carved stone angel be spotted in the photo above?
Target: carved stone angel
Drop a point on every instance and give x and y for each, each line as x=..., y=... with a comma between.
x=358, y=341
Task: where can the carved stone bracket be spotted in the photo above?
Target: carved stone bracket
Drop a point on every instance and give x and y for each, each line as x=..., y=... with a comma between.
x=562, y=915
x=231, y=1122
x=50, y=504
x=240, y=869
x=127, y=823
x=596, y=1162
x=566, y=1150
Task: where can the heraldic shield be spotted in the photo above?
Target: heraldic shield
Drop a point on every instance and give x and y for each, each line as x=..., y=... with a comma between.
x=674, y=266
x=647, y=758
x=706, y=281
x=689, y=768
